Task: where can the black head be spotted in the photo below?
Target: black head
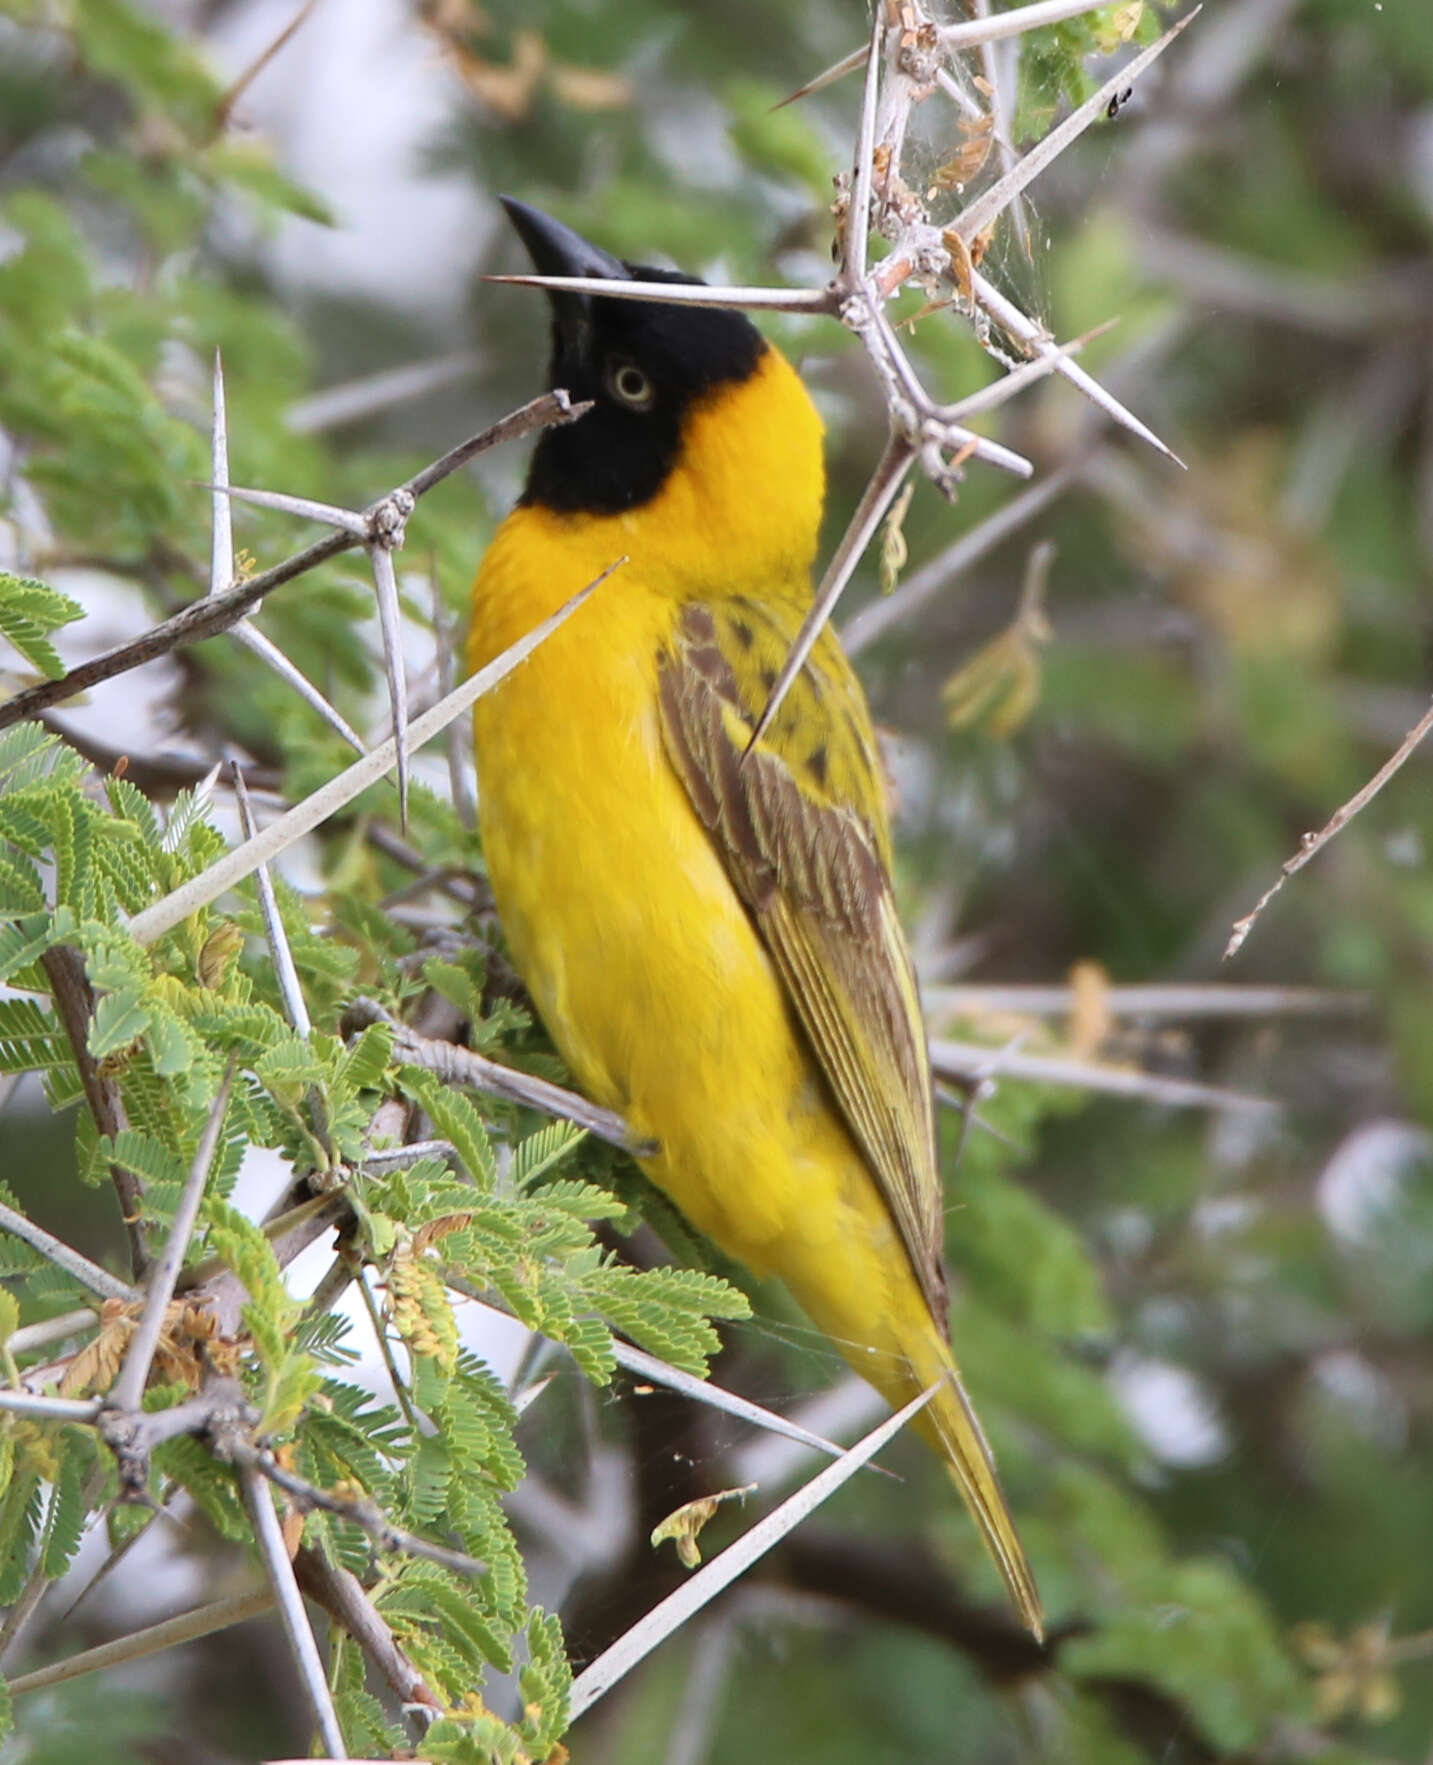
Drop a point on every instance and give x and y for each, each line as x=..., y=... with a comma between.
x=642, y=363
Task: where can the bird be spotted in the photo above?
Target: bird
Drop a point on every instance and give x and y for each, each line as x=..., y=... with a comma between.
x=707, y=925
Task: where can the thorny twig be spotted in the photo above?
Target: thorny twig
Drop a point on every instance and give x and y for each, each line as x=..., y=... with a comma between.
x=214, y=613
x=342, y=1596
x=365, y=1514
x=1315, y=842
x=461, y=1066
x=75, y=1003
x=904, y=64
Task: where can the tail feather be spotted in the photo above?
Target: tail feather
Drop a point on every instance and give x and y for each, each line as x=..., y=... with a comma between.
x=951, y=1423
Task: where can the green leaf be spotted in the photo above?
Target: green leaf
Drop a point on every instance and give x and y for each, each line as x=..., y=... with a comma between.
x=542, y=1151
x=366, y=1062
x=21, y=890
x=30, y=1039
x=24, y=941
x=66, y=1523
x=28, y=611
x=455, y=1119
x=1199, y=1634
x=666, y=1310
x=120, y=1019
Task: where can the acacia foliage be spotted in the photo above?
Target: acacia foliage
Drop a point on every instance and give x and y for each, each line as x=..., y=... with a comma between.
x=113, y=294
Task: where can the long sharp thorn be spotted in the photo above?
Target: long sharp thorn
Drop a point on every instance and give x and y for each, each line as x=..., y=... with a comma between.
x=265, y=1520
x=886, y=480
x=674, y=1611
x=285, y=972
x=989, y=398
x=875, y=620
x=959, y=36
x=647, y=1366
x=1008, y=315
x=354, y=400
x=837, y=71
x=128, y=1388
x=858, y=218
x=967, y=35
x=269, y=652
x=992, y=452
x=390, y=621
x=983, y=211
x=221, y=569
x=174, y=908
x=460, y=785
x=221, y=525
x=345, y=520
x=775, y=300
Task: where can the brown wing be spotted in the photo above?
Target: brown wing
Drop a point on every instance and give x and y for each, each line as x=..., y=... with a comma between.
x=801, y=827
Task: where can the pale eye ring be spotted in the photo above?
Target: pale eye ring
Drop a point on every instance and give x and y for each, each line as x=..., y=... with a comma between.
x=631, y=386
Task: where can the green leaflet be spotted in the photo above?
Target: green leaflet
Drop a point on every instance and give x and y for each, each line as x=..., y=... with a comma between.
x=29, y=611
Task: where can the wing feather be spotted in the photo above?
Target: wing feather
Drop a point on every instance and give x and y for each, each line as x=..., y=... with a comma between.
x=805, y=842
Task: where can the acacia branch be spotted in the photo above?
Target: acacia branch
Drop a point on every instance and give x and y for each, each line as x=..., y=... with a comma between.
x=1315, y=842
x=75, y=1003
x=461, y=1066
x=213, y=613
x=342, y=1596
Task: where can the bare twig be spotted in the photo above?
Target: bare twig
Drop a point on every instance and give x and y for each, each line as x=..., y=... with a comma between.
x=75, y=1004
x=1161, y=999
x=965, y=1060
x=363, y=1513
x=246, y=79
x=858, y=222
x=139, y=1644
x=50, y=1409
x=54, y=1250
x=1315, y=842
x=69, y=1323
x=341, y=1595
x=462, y=1066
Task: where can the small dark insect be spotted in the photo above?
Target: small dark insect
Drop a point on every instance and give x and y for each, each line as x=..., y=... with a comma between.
x=1118, y=102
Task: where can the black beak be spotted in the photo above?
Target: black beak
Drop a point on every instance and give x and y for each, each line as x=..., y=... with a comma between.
x=556, y=250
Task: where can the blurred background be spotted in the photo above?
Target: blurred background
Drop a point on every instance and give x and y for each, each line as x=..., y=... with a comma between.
x=1195, y=1317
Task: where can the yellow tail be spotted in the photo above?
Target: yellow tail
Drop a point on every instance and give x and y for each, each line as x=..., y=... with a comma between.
x=950, y=1424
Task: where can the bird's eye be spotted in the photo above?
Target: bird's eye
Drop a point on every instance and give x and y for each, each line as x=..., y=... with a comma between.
x=630, y=385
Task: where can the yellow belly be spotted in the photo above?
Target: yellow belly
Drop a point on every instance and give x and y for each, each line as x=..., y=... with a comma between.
x=640, y=957
x=654, y=983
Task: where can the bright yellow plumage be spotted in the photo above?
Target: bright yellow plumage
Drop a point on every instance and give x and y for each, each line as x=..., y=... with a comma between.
x=713, y=946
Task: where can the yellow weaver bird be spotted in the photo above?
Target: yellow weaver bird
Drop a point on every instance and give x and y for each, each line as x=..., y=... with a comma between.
x=713, y=945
